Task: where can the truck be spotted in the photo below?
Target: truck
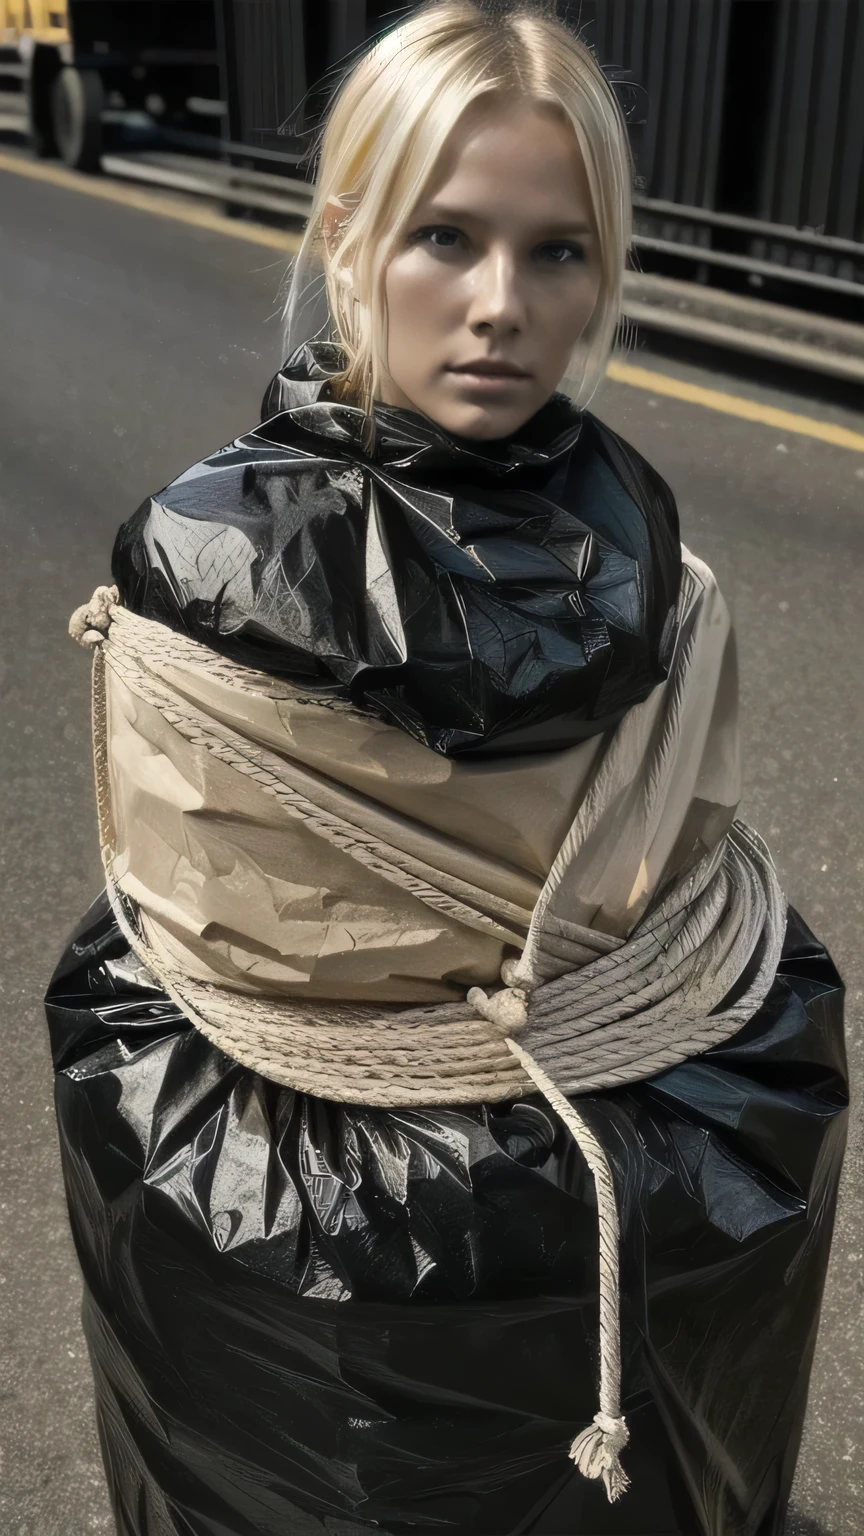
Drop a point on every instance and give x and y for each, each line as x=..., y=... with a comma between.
x=70, y=69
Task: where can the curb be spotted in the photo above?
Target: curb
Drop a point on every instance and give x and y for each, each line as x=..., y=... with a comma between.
x=740, y=324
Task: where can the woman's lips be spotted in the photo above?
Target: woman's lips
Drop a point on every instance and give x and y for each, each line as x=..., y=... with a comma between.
x=489, y=376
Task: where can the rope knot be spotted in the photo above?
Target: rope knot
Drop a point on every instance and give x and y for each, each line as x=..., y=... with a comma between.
x=507, y=1009
x=597, y=1450
x=89, y=624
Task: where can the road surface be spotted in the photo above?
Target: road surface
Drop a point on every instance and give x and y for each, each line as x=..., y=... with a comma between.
x=133, y=343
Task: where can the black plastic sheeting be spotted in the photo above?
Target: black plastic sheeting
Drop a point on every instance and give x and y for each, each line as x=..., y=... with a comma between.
x=308, y=1318
x=509, y=596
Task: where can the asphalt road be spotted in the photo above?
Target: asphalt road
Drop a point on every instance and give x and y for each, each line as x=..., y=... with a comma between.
x=131, y=345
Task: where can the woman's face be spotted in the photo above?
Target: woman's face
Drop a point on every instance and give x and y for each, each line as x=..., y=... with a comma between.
x=496, y=276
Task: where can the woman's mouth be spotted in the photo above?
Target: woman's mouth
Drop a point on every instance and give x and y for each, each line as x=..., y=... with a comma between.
x=490, y=374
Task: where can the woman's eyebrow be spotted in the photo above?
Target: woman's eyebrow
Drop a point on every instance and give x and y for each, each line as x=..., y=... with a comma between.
x=445, y=214
x=558, y=231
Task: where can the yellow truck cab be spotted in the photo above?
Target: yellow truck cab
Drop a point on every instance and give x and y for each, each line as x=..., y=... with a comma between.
x=71, y=67
x=43, y=21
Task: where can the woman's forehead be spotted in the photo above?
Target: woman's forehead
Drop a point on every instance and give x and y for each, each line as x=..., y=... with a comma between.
x=511, y=161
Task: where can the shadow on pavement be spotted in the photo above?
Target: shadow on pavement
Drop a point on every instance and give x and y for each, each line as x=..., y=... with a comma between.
x=803, y=1525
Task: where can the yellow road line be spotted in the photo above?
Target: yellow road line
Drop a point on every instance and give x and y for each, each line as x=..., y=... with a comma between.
x=735, y=405
x=287, y=242
x=151, y=202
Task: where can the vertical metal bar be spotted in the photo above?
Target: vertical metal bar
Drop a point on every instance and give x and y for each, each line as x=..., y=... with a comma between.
x=849, y=215
x=609, y=24
x=696, y=98
x=297, y=52
x=655, y=82
x=715, y=96
x=636, y=59
x=797, y=126
x=637, y=65
x=824, y=141
x=226, y=49
x=608, y=29
x=771, y=150
x=347, y=28
x=618, y=44
x=683, y=18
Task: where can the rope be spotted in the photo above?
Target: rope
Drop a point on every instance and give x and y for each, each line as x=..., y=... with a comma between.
x=596, y=1451
x=634, y=1009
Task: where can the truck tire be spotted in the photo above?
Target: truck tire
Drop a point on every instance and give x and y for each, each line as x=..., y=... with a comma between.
x=44, y=70
x=77, y=98
x=42, y=140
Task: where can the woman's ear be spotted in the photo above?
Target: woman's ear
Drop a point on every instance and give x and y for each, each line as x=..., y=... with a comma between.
x=334, y=216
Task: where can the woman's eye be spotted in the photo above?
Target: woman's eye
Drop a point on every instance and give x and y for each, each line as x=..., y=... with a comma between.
x=437, y=235
x=562, y=251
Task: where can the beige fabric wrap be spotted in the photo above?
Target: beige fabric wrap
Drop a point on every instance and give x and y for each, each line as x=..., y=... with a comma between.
x=241, y=894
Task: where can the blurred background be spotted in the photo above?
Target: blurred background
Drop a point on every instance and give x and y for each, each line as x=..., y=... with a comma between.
x=155, y=173
x=747, y=121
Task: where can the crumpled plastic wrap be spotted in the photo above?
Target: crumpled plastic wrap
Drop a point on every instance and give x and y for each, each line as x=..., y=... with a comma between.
x=309, y=1318
x=497, y=597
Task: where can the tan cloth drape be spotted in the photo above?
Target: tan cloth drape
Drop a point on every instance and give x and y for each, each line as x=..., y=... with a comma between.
x=238, y=892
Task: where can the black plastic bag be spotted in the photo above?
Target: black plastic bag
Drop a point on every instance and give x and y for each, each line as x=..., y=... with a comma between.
x=306, y=1317
x=487, y=597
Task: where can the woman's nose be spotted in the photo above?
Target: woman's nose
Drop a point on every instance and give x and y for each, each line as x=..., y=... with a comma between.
x=497, y=302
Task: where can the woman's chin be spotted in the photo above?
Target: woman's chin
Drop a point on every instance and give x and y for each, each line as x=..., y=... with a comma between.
x=484, y=422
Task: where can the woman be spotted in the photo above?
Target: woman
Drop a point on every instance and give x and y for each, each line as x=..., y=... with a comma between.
x=417, y=772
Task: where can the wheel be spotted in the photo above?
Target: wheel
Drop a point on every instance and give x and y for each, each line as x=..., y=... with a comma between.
x=42, y=144
x=44, y=70
x=77, y=98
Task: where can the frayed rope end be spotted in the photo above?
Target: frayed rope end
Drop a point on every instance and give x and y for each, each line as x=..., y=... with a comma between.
x=596, y=1452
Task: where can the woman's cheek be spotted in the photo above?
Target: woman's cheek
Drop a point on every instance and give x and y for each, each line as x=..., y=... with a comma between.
x=583, y=304
x=410, y=295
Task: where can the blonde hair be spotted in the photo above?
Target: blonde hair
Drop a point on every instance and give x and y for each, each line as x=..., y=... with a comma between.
x=384, y=135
